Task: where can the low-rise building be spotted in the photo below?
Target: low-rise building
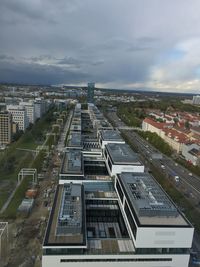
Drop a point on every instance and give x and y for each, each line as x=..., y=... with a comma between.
x=191, y=152
x=120, y=158
x=133, y=224
x=108, y=137
x=72, y=166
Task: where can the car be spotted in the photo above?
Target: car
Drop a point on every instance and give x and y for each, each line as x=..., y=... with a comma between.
x=190, y=174
x=176, y=164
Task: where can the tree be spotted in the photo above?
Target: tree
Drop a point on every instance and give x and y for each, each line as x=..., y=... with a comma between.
x=187, y=125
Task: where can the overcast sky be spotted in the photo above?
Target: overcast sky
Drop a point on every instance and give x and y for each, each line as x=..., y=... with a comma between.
x=151, y=44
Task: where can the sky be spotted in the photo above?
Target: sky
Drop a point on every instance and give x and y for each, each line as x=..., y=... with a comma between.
x=125, y=44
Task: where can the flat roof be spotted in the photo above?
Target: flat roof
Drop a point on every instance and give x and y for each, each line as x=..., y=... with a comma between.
x=74, y=139
x=122, y=154
x=72, y=162
x=66, y=224
x=75, y=127
x=148, y=201
x=111, y=135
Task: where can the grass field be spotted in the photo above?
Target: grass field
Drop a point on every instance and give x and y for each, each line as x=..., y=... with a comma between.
x=12, y=160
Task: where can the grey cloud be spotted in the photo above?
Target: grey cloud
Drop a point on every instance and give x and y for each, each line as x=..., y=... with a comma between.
x=107, y=41
x=37, y=74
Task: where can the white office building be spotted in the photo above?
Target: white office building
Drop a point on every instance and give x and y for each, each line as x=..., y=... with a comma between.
x=133, y=224
x=109, y=137
x=30, y=110
x=121, y=158
x=19, y=116
x=122, y=219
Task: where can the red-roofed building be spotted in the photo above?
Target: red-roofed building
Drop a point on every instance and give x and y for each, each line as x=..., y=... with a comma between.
x=150, y=125
x=173, y=137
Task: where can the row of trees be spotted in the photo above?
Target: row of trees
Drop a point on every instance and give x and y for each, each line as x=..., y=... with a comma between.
x=157, y=142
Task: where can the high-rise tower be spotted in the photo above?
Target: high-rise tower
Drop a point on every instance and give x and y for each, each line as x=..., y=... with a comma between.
x=90, y=92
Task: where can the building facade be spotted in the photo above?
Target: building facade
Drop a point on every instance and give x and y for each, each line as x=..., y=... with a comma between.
x=19, y=116
x=30, y=111
x=5, y=128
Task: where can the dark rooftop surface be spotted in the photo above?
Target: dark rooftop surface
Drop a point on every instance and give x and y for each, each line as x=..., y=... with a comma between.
x=111, y=135
x=149, y=201
x=122, y=154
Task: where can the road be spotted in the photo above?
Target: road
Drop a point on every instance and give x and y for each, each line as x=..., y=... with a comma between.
x=61, y=142
x=190, y=181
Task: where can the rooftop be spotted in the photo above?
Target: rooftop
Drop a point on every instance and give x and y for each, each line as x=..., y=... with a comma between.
x=150, y=203
x=72, y=162
x=122, y=154
x=70, y=224
x=111, y=135
x=67, y=219
x=74, y=139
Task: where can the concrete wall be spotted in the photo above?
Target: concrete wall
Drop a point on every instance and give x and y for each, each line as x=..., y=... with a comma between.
x=159, y=237
x=177, y=261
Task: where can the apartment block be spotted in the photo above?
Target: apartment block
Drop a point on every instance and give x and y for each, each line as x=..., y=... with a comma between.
x=19, y=116
x=5, y=128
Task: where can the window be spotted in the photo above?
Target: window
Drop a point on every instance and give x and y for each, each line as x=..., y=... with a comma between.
x=119, y=190
x=130, y=220
x=116, y=260
x=110, y=164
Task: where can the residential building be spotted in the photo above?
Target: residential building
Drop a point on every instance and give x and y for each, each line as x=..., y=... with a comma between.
x=40, y=107
x=170, y=135
x=5, y=128
x=191, y=152
x=30, y=110
x=19, y=116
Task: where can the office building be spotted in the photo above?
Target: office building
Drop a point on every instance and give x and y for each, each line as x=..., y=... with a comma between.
x=5, y=128
x=120, y=158
x=72, y=166
x=123, y=218
x=108, y=137
x=90, y=92
x=135, y=224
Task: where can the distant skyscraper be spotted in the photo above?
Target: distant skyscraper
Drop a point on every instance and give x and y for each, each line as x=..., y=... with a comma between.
x=90, y=92
x=196, y=100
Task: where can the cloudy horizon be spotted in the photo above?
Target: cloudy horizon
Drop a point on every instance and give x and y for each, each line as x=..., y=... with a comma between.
x=129, y=44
